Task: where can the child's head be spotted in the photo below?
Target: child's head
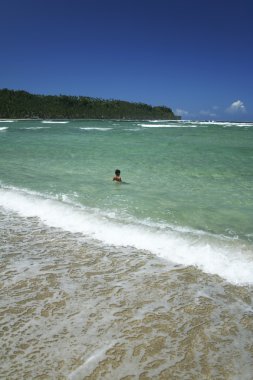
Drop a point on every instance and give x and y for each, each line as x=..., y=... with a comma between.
x=117, y=172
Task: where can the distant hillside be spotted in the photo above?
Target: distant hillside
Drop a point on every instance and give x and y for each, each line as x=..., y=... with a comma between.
x=22, y=104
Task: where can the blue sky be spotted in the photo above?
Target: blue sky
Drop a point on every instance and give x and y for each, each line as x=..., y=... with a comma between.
x=193, y=56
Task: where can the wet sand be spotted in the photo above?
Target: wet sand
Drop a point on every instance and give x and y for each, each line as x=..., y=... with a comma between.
x=72, y=309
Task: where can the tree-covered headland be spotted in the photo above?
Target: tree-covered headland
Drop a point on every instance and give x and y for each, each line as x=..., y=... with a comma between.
x=22, y=104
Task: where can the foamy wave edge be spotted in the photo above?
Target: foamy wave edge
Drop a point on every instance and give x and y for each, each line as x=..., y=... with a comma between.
x=166, y=126
x=95, y=128
x=231, y=264
x=54, y=122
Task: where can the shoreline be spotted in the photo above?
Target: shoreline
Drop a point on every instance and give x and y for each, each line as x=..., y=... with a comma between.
x=128, y=120
x=93, y=311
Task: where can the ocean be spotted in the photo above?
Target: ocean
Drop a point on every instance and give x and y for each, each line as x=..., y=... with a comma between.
x=151, y=278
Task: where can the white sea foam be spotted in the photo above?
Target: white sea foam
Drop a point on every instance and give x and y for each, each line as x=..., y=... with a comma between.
x=245, y=124
x=54, y=122
x=166, y=126
x=224, y=123
x=95, y=128
x=240, y=125
x=158, y=121
x=133, y=129
x=35, y=128
x=3, y=128
x=6, y=121
x=233, y=264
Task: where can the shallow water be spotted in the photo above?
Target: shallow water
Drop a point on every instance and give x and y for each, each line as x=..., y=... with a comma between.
x=118, y=281
x=75, y=310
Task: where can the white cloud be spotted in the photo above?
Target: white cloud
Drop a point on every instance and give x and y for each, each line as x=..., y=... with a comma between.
x=236, y=107
x=181, y=112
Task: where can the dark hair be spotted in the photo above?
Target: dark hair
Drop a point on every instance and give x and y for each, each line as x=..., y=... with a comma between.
x=117, y=172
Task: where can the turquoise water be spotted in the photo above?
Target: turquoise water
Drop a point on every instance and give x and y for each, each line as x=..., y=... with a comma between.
x=194, y=177
x=182, y=218
x=187, y=174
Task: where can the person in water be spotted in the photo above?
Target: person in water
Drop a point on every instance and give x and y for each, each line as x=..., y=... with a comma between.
x=117, y=176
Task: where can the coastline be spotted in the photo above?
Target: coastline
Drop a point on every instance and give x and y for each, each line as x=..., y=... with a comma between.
x=150, y=280
x=91, y=311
